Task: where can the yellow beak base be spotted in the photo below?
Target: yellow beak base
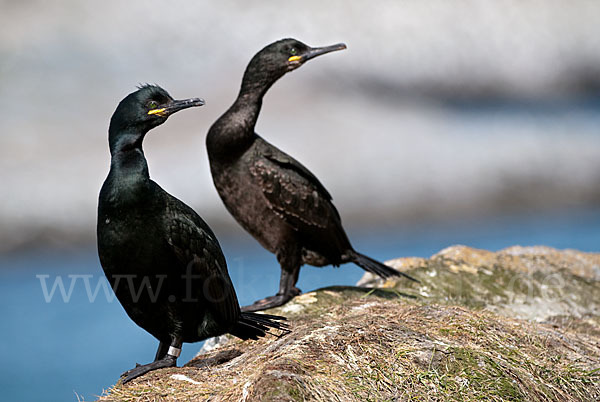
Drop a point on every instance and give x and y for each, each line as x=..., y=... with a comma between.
x=160, y=112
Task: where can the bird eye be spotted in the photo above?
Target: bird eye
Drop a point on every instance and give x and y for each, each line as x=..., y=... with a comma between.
x=152, y=105
x=293, y=51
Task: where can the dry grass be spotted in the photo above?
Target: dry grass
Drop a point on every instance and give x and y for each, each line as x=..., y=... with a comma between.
x=454, y=337
x=349, y=345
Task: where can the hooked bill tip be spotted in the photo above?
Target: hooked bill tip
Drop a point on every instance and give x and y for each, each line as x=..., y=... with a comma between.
x=197, y=101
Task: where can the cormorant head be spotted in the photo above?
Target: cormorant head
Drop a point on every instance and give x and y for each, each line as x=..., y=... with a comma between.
x=276, y=59
x=146, y=108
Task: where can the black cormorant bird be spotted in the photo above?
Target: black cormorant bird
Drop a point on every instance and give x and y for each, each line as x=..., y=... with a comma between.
x=162, y=260
x=272, y=195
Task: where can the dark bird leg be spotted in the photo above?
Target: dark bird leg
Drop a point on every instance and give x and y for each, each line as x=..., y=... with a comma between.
x=166, y=356
x=162, y=350
x=290, y=260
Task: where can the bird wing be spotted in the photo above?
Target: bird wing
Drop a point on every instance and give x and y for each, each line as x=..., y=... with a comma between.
x=197, y=249
x=292, y=191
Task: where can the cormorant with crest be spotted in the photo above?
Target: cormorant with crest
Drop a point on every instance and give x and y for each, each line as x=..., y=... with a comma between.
x=162, y=260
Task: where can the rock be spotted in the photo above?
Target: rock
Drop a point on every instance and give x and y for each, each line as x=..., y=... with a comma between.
x=534, y=283
x=519, y=324
x=212, y=344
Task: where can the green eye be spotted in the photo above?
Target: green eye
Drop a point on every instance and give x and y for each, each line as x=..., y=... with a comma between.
x=152, y=105
x=293, y=51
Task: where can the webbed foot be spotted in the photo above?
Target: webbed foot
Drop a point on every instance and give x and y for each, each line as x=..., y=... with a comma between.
x=272, y=301
x=139, y=370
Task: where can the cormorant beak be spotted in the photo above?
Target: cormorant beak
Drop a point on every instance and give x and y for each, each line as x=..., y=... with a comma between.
x=317, y=51
x=175, y=106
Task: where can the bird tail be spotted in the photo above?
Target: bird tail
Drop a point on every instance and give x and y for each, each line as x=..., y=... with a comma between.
x=254, y=326
x=376, y=267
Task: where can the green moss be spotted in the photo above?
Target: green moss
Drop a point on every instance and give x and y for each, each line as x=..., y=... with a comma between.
x=484, y=377
x=281, y=390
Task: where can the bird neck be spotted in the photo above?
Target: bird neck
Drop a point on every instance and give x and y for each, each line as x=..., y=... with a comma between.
x=234, y=133
x=127, y=156
x=255, y=84
x=245, y=110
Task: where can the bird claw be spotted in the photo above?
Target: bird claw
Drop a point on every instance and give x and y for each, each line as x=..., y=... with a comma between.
x=140, y=370
x=126, y=373
x=272, y=301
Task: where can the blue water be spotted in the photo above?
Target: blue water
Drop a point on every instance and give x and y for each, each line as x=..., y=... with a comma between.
x=56, y=350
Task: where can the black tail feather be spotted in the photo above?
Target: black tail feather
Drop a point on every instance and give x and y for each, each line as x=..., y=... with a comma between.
x=376, y=267
x=254, y=326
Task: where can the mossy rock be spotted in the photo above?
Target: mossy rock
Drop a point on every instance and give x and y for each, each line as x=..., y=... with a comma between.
x=534, y=283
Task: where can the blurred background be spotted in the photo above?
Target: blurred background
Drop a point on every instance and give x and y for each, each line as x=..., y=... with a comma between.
x=473, y=122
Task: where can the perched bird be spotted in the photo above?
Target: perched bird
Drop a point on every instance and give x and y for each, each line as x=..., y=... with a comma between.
x=272, y=195
x=162, y=260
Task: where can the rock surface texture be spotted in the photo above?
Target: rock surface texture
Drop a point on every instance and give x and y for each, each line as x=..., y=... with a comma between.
x=519, y=324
